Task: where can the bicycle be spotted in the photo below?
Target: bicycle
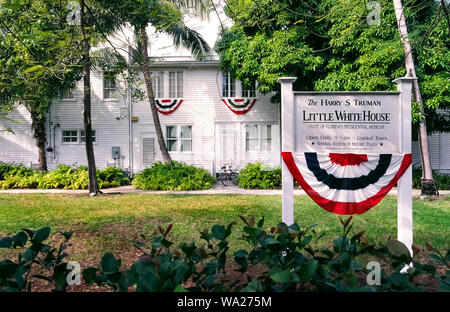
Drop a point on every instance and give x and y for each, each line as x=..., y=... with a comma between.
x=227, y=176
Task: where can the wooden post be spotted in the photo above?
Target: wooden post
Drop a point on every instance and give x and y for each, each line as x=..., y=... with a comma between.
x=287, y=145
x=404, y=196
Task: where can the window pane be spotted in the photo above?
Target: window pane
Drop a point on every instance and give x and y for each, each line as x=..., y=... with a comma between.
x=172, y=93
x=232, y=87
x=251, y=132
x=224, y=84
x=171, y=132
x=249, y=91
x=109, y=86
x=266, y=145
x=83, y=139
x=186, y=146
x=172, y=145
x=70, y=136
x=186, y=132
x=251, y=145
x=161, y=85
x=266, y=131
x=68, y=94
x=179, y=84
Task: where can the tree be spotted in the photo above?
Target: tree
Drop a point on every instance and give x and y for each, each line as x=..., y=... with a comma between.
x=164, y=16
x=342, y=50
x=95, y=23
x=36, y=60
x=428, y=184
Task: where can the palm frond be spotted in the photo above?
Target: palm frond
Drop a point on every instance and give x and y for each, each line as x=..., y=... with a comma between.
x=189, y=38
x=200, y=8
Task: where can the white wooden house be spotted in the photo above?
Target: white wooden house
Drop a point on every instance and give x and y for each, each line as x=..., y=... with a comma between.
x=205, y=129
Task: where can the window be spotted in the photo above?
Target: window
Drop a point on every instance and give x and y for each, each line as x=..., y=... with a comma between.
x=228, y=85
x=68, y=95
x=258, y=138
x=158, y=84
x=76, y=136
x=109, y=86
x=83, y=139
x=175, y=84
x=179, y=138
x=249, y=91
x=70, y=136
x=186, y=139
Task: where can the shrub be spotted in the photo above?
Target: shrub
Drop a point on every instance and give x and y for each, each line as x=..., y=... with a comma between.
x=65, y=177
x=287, y=258
x=173, y=176
x=442, y=180
x=259, y=176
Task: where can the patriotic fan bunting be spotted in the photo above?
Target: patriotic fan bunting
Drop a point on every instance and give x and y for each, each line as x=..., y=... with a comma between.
x=167, y=106
x=239, y=106
x=346, y=183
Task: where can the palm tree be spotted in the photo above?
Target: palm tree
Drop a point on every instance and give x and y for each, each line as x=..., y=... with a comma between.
x=167, y=17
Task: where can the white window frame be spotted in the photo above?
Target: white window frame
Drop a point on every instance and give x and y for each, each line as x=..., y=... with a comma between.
x=158, y=84
x=178, y=139
x=260, y=139
x=109, y=88
x=175, y=87
x=94, y=136
x=71, y=136
x=228, y=85
x=251, y=93
x=68, y=99
x=79, y=136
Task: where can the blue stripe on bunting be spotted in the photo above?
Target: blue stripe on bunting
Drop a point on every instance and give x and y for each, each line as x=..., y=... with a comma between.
x=350, y=184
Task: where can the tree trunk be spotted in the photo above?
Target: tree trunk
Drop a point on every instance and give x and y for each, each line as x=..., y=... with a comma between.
x=92, y=170
x=38, y=126
x=143, y=40
x=428, y=185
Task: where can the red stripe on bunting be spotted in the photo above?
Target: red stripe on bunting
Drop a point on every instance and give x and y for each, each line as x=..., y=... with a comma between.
x=348, y=159
x=240, y=112
x=344, y=208
x=169, y=111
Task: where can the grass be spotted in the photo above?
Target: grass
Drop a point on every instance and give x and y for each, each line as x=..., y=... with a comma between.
x=112, y=223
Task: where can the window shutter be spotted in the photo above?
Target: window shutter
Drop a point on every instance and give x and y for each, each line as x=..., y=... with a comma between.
x=148, y=151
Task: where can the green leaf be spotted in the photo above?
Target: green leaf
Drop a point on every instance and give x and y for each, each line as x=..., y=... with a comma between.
x=6, y=242
x=308, y=270
x=180, y=288
x=109, y=264
x=41, y=234
x=218, y=232
x=20, y=239
x=398, y=249
x=33, y=68
x=282, y=277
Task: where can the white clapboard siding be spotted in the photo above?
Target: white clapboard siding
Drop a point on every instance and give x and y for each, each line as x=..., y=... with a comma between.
x=20, y=146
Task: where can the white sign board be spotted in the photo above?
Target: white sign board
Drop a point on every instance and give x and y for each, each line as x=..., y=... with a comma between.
x=346, y=122
x=349, y=123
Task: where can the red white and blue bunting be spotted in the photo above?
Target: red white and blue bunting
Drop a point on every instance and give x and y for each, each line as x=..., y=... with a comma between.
x=239, y=106
x=168, y=106
x=346, y=183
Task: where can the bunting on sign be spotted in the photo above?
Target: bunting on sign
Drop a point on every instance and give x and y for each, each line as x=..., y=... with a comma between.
x=167, y=106
x=239, y=106
x=346, y=183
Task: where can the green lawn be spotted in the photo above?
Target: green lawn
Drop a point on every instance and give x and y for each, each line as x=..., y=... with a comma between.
x=113, y=222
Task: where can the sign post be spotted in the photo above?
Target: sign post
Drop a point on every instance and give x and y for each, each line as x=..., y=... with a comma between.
x=404, y=192
x=287, y=144
x=348, y=149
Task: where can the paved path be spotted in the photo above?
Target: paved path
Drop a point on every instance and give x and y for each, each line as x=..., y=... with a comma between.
x=218, y=189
